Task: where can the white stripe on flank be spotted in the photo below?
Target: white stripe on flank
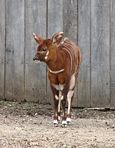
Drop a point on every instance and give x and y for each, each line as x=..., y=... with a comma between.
x=69, y=55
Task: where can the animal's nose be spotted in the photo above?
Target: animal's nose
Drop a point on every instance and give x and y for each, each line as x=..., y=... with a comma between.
x=34, y=58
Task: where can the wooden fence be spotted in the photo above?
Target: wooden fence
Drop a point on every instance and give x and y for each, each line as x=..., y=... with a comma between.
x=90, y=23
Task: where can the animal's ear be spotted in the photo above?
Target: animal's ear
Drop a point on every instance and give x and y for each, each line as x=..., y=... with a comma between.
x=38, y=38
x=57, y=37
x=48, y=42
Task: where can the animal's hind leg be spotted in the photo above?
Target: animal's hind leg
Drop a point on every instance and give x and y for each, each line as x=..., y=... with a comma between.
x=55, y=112
x=69, y=100
x=70, y=97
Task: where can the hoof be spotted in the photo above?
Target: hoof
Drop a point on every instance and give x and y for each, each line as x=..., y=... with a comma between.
x=68, y=120
x=55, y=123
x=64, y=123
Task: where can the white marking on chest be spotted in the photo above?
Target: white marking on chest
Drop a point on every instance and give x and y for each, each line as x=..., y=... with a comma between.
x=46, y=57
x=58, y=87
x=55, y=72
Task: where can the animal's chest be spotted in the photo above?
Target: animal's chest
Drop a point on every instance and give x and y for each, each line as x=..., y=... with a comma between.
x=56, y=78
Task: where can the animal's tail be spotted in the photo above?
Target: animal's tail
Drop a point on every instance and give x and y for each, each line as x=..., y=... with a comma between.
x=79, y=60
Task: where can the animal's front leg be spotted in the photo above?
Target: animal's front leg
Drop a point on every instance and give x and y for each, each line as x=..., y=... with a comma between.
x=56, y=102
x=64, y=122
x=64, y=94
x=55, y=112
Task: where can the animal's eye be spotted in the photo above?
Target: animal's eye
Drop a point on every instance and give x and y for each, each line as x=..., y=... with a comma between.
x=44, y=49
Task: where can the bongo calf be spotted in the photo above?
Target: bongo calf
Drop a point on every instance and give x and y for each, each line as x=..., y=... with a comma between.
x=63, y=58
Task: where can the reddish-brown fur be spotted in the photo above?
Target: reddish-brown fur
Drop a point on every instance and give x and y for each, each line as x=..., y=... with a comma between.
x=59, y=53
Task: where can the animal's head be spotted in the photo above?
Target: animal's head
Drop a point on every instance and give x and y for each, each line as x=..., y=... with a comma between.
x=47, y=47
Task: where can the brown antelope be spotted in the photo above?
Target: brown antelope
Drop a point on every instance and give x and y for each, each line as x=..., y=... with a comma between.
x=63, y=58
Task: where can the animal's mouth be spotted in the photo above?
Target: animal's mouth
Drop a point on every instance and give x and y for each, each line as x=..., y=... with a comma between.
x=36, y=60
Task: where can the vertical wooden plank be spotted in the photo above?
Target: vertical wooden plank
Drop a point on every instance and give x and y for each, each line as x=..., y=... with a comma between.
x=70, y=19
x=100, y=69
x=84, y=43
x=35, y=74
x=2, y=46
x=55, y=24
x=14, y=81
x=55, y=16
x=70, y=27
x=112, y=56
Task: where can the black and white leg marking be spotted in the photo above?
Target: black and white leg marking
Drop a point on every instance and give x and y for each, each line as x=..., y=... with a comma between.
x=59, y=98
x=55, y=93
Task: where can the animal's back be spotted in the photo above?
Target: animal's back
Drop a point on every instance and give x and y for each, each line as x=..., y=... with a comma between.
x=74, y=53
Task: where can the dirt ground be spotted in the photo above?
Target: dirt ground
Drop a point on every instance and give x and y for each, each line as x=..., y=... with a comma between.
x=30, y=125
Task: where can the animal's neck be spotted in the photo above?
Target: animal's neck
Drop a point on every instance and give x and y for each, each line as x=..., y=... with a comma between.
x=56, y=62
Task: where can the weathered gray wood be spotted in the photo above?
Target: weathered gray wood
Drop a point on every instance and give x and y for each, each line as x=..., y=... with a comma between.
x=70, y=19
x=14, y=82
x=55, y=16
x=93, y=30
x=112, y=55
x=35, y=74
x=55, y=24
x=2, y=46
x=100, y=37
x=84, y=43
x=70, y=27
